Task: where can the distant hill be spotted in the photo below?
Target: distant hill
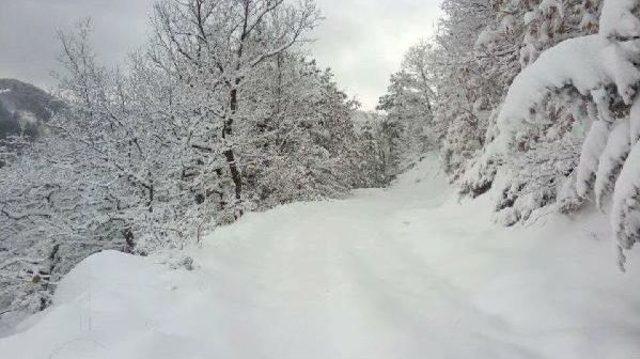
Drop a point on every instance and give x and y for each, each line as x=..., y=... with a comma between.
x=24, y=108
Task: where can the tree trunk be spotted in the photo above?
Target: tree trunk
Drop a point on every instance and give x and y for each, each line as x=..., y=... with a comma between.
x=227, y=131
x=129, y=244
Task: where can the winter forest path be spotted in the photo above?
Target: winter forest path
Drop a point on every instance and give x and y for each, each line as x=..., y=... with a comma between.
x=398, y=273
x=405, y=273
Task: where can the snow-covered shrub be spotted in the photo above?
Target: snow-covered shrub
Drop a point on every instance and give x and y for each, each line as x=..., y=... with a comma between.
x=535, y=26
x=602, y=69
x=543, y=155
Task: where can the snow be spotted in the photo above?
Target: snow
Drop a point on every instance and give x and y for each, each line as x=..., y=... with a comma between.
x=611, y=160
x=547, y=6
x=624, y=216
x=617, y=19
x=529, y=17
x=400, y=273
x=508, y=23
x=588, y=63
x=634, y=121
x=592, y=148
x=485, y=38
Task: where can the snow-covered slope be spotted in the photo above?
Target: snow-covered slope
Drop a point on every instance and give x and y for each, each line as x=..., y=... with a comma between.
x=399, y=273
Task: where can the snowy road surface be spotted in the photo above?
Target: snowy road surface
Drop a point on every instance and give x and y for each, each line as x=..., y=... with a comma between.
x=398, y=273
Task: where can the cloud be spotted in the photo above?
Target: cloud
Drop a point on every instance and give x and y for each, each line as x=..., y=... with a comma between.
x=364, y=40
x=361, y=40
x=28, y=32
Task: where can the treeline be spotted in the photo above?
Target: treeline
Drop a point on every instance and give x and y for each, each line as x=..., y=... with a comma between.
x=218, y=115
x=537, y=100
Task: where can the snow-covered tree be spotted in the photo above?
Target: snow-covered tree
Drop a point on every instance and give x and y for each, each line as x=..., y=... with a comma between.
x=600, y=74
x=219, y=49
x=408, y=106
x=219, y=114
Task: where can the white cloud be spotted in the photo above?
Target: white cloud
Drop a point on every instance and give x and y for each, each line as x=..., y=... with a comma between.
x=363, y=41
x=28, y=32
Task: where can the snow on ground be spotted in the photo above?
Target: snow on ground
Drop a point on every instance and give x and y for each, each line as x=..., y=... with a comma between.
x=399, y=273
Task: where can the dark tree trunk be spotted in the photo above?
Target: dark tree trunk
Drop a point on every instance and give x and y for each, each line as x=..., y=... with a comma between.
x=227, y=131
x=129, y=244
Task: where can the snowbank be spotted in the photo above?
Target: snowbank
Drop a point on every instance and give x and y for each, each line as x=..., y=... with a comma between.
x=399, y=273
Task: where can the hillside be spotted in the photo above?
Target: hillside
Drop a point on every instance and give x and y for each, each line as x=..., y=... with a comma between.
x=400, y=273
x=24, y=108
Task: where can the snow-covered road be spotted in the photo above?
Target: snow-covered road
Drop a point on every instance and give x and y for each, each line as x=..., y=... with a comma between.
x=398, y=273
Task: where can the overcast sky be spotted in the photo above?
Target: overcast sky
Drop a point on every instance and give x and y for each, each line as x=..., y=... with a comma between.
x=361, y=40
